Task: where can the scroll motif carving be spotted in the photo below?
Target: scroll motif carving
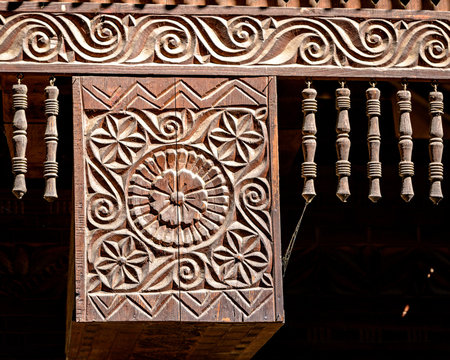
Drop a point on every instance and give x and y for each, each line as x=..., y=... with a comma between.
x=179, y=194
x=224, y=40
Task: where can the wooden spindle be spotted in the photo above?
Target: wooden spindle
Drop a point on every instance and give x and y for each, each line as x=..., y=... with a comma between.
x=373, y=142
x=309, y=130
x=19, y=161
x=343, y=166
x=405, y=144
x=51, y=141
x=436, y=145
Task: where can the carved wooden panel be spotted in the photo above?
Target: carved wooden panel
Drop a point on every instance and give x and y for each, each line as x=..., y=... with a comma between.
x=178, y=213
x=85, y=39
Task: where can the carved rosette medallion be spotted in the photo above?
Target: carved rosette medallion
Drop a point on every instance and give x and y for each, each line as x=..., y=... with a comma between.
x=178, y=197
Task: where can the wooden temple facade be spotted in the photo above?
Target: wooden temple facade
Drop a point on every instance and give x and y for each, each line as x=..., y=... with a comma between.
x=178, y=143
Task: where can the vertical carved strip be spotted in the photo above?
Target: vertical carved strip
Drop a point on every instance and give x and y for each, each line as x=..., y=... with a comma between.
x=19, y=161
x=373, y=142
x=436, y=145
x=343, y=166
x=405, y=144
x=51, y=141
x=309, y=130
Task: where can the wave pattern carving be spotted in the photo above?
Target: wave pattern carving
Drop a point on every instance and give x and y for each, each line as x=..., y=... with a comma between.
x=224, y=40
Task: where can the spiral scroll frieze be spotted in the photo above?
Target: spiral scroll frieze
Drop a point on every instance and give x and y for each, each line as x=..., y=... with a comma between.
x=224, y=40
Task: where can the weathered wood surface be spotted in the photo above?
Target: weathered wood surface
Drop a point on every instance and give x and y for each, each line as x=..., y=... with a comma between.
x=181, y=219
x=189, y=40
x=437, y=5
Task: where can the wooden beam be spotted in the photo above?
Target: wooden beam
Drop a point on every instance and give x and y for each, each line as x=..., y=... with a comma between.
x=88, y=38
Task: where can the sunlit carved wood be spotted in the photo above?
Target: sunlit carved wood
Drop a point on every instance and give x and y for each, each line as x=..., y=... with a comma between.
x=271, y=42
x=373, y=139
x=405, y=144
x=309, y=130
x=343, y=166
x=436, y=145
x=19, y=161
x=51, y=140
x=180, y=222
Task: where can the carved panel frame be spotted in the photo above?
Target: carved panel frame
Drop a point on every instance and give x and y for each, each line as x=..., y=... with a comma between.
x=136, y=143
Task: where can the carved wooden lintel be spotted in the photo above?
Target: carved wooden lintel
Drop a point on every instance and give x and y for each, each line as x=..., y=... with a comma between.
x=282, y=43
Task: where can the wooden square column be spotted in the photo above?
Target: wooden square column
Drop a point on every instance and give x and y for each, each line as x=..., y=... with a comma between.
x=177, y=241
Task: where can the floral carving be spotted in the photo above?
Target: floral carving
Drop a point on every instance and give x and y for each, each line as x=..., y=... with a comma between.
x=236, y=139
x=178, y=197
x=122, y=261
x=241, y=259
x=117, y=141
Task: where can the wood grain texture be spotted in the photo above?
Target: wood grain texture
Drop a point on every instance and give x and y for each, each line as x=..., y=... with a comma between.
x=180, y=201
x=369, y=46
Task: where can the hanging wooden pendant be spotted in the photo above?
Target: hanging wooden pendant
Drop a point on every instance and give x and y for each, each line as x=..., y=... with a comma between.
x=343, y=166
x=19, y=161
x=51, y=141
x=373, y=141
x=436, y=145
x=309, y=130
x=405, y=144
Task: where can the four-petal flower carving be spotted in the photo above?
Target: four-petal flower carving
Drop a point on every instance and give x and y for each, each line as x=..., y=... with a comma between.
x=117, y=141
x=236, y=138
x=121, y=263
x=240, y=260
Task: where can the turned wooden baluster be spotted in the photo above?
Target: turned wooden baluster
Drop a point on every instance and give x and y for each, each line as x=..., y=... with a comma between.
x=51, y=140
x=436, y=145
x=373, y=141
x=405, y=144
x=309, y=167
x=19, y=161
x=343, y=166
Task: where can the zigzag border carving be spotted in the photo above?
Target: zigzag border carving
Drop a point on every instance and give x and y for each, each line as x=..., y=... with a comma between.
x=259, y=42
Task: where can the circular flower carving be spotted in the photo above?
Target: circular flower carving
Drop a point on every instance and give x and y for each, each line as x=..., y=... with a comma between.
x=178, y=197
x=237, y=139
x=241, y=260
x=117, y=140
x=121, y=261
